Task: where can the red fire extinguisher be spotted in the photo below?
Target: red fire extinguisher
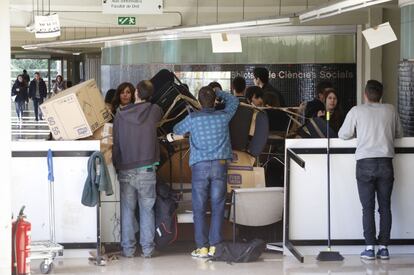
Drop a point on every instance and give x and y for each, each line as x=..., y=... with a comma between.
x=21, y=232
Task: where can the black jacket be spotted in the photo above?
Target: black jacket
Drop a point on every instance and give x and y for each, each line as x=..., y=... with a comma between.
x=26, y=78
x=268, y=88
x=135, y=136
x=240, y=128
x=42, y=88
x=20, y=91
x=313, y=107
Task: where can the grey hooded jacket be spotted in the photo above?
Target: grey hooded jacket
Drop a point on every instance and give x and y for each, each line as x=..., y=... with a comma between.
x=135, y=136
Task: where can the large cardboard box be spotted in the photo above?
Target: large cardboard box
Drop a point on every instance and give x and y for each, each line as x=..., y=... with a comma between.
x=242, y=174
x=76, y=112
x=104, y=135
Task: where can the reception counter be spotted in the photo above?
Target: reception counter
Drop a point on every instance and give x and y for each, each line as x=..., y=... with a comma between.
x=306, y=194
x=75, y=223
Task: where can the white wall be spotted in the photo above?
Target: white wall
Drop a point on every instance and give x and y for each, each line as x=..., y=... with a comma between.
x=5, y=155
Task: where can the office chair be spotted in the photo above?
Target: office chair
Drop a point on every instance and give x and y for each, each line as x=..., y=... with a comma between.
x=257, y=207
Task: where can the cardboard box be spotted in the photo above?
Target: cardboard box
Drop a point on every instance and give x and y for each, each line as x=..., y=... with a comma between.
x=106, y=151
x=76, y=112
x=242, y=174
x=104, y=135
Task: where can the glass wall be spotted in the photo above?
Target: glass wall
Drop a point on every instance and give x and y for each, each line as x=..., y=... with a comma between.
x=288, y=49
x=196, y=80
x=57, y=67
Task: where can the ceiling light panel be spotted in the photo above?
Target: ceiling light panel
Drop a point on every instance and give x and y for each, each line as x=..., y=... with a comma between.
x=338, y=8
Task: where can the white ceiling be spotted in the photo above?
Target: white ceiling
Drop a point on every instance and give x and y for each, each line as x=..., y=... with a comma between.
x=82, y=19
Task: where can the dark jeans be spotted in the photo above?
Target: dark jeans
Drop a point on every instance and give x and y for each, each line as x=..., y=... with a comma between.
x=209, y=179
x=36, y=103
x=375, y=176
x=19, y=109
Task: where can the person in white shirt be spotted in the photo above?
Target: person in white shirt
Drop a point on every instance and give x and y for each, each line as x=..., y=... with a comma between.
x=375, y=125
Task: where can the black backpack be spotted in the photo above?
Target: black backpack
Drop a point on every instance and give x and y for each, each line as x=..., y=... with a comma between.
x=165, y=216
x=239, y=252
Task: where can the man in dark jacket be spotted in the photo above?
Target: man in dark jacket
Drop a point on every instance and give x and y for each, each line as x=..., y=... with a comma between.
x=241, y=123
x=238, y=86
x=26, y=77
x=261, y=79
x=318, y=103
x=37, y=92
x=135, y=155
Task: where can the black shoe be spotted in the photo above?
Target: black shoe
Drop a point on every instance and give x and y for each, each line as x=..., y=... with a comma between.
x=368, y=254
x=383, y=254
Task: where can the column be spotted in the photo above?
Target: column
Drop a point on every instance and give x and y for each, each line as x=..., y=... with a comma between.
x=5, y=154
x=406, y=68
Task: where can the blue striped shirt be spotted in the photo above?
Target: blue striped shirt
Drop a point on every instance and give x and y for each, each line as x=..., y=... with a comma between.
x=209, y=131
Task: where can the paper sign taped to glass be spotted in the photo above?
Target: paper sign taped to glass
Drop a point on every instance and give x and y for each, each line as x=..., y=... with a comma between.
x=47, y=26
x=379, y=35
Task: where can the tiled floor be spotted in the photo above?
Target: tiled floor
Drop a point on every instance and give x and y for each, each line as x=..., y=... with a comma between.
x=177, y=261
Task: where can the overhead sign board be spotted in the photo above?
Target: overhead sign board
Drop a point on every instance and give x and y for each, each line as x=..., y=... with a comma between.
x=47, y=26
x=132, y=6
x=127, y=20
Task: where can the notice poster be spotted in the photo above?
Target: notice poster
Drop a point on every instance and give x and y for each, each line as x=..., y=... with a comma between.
x=47, y=26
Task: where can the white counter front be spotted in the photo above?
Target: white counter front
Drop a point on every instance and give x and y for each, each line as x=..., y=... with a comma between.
x=75, y=223
x=306, y=191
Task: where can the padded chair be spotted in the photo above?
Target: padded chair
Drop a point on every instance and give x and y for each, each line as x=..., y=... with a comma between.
x=257, y=207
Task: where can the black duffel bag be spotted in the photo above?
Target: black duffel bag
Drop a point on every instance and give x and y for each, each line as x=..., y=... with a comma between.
x=239, y=252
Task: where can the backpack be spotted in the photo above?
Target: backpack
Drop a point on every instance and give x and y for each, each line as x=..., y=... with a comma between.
x=165, y=216
x=239, y=252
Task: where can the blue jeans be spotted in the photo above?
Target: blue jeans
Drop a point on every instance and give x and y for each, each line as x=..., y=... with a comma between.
x=19, y=108
x=137, y=185
x=375, y=176
x=209, y=178
x=36, y=103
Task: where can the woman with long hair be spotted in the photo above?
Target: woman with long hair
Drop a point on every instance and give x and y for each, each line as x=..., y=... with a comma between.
x=124, y=96
x=19, y=93
x=59, y=84
x=334, y=108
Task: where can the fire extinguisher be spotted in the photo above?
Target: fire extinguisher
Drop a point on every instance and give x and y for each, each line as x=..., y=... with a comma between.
x=21, y=232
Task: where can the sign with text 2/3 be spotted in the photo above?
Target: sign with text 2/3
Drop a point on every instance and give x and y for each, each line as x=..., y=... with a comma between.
x=127, y=20
x=47, y=26
x=132, y=6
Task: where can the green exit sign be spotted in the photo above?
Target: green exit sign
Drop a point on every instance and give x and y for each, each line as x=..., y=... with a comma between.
x=127, y=20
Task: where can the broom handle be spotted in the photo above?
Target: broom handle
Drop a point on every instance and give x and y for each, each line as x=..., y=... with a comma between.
x=329, y=180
